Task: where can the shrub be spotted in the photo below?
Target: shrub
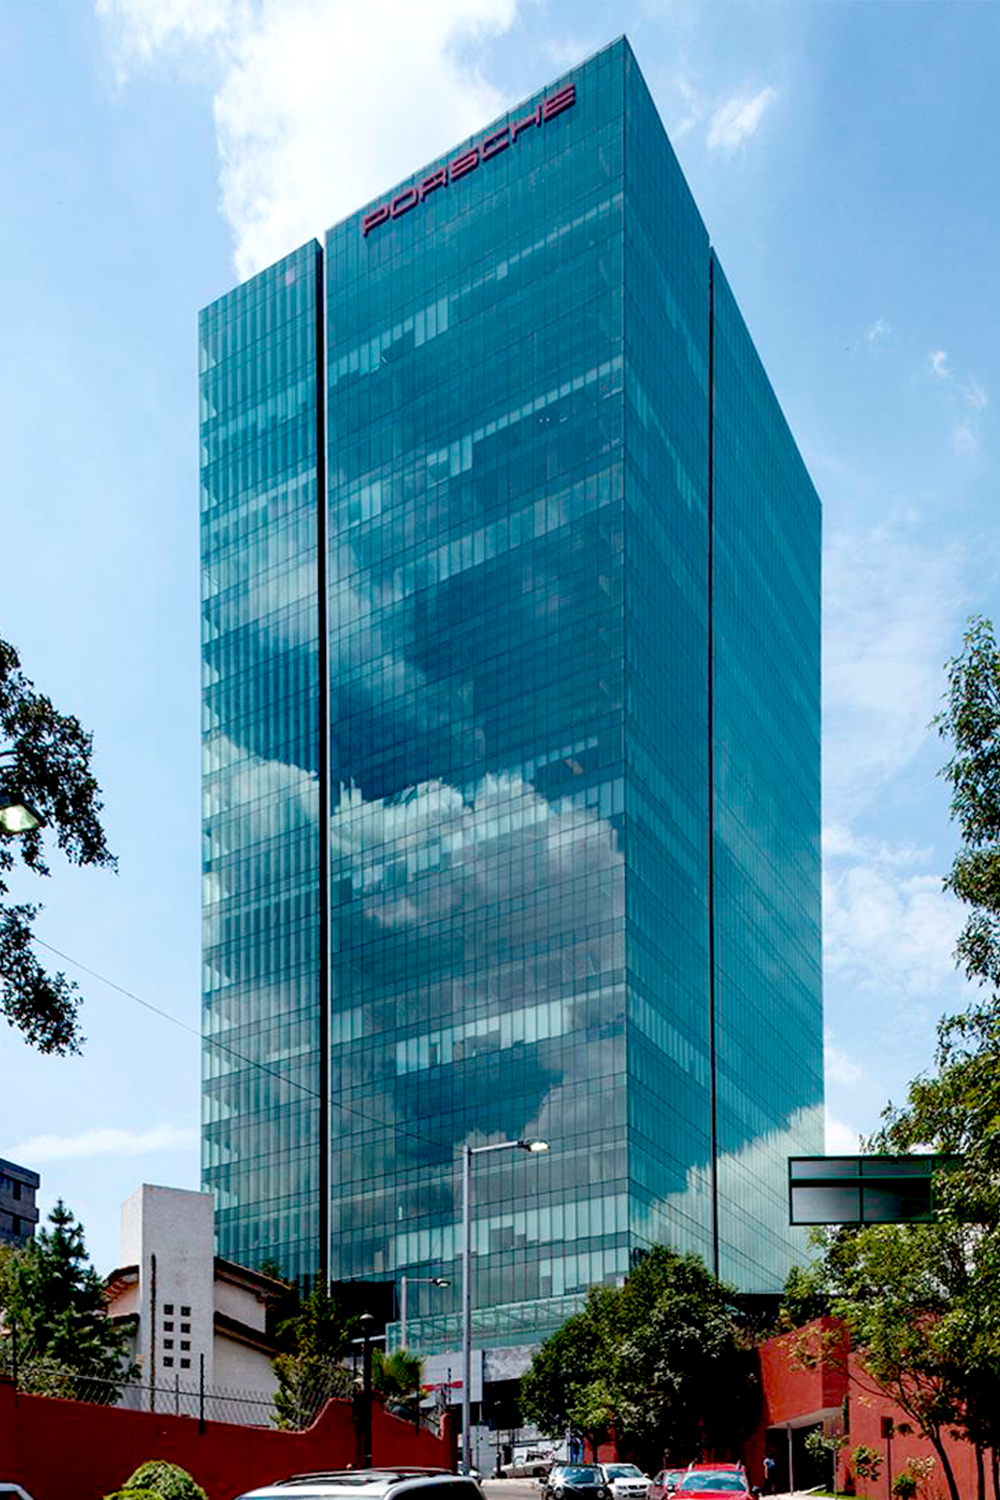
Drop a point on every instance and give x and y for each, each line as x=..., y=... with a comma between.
x=159, y=1480
x=868, y=1463
x=904, y=1486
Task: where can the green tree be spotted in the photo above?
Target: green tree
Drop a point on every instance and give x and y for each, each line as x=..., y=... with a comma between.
x=566, y=1365
x=646, y=1361
x=312, y=1370
x=54, y=1307
x=398, y=1375
x=971, y=722
x=46, y=762
x=910, y=1296
x=281, y=1313
x=593, y=1412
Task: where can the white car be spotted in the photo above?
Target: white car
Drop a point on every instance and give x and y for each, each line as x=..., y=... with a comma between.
x=626, y=1481
x=534, y=1464
x=370, y=1484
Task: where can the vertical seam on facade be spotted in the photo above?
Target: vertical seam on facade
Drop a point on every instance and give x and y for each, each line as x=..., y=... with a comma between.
x=625, y=664
x=323, y=771
x=711, y=765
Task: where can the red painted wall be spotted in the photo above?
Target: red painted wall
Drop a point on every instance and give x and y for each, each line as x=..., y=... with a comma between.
x=789, y=1392
x=55, y=1449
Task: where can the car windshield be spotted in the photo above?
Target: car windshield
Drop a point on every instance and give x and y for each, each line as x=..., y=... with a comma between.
x=580, y=1476
x=700, y=1484
x=622, y=1471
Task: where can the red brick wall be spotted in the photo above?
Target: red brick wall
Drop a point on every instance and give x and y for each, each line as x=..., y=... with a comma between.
x=55, y=1449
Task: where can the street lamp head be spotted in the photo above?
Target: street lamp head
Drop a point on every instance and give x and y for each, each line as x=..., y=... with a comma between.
x=18, y=816
x=440, y=1281
x=533, y=1145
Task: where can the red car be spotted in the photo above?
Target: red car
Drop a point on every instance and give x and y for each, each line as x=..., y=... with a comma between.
x=723, y=1483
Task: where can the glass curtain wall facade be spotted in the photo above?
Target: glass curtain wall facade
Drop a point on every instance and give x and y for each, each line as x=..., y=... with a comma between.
x=570, y=864
x=261, y=469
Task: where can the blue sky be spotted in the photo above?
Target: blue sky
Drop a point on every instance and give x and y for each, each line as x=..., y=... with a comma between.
x=154, y=151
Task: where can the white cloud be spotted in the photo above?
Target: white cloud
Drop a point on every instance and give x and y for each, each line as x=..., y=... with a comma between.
x=838, y=1066
x=879, y=330
x=890, y=607
x=938, y=361
x=974, y=394
x=969, y=396
x=890, y=934
x=318, y=101
x=104, y=1141
x=738, y=119
x=964, y=439
x=841, y=842
x=841, y=1139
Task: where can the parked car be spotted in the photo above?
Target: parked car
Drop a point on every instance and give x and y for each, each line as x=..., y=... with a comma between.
x=626, y=1481
x=717, y=1466
x=716, y=1484
x=576, y=1482
x=664, y=1483
x=370, y=1484
x=534, y=1464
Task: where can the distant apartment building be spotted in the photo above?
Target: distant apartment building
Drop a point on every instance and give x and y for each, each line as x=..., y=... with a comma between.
x=18, y=1214
x=194, y=1318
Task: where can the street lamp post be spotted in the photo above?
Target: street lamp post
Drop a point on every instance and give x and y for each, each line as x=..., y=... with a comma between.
x=404, y=1282
x=468, y=1152
x=367, y=1324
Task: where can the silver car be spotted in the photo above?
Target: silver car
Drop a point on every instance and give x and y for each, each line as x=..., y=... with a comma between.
x=370, y=1484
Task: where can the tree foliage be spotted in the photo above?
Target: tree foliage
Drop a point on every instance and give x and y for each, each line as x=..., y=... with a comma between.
x=646, y=1362
x=53, y=1305
x=825, y=1447
x=971, y=722
x=398, y=1375
x=46, y=762
x=312, y=1369
x=921, y=1303
x=867, y=1463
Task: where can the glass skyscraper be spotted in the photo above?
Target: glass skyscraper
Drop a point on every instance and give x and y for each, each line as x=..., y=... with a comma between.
x=511, y=731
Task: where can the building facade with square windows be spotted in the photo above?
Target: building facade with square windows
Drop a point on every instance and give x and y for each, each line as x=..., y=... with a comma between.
x=511, y=592
x=18, y=1213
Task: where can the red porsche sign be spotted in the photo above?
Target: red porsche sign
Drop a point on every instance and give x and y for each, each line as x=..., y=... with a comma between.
x=468, y=161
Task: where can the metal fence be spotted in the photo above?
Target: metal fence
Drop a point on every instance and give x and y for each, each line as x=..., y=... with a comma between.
x=296, y=1406
x=38, y=1373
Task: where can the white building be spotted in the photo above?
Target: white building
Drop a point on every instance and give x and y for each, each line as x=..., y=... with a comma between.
x=197, y=1320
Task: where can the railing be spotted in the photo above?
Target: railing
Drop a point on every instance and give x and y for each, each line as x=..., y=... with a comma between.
x=38, y=1373
x=294, y=1405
